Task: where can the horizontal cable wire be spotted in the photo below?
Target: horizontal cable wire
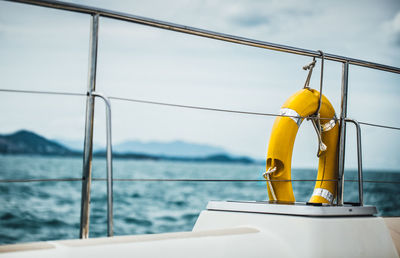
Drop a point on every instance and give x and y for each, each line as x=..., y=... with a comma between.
x=39, y=180
x=184, y=180
x=237, y=111
x=212, y=109
x=189, y=106
x=193, y=107
x=381, y=126
x=203, y=180
x=160, y=103
x=44, y=92
x=235, y=180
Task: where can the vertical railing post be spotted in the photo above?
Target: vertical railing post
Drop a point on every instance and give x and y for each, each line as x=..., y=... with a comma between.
x=88, y=145
x=342, y=134
x=110, y=223
x=359, y=162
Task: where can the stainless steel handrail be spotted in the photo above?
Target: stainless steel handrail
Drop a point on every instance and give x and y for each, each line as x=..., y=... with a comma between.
x=342, y=132
x=203, y=33
x=109, y=164
x=359, y=161
x=88, y=144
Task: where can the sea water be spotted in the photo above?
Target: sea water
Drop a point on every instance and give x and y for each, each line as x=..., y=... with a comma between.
x=36, y=211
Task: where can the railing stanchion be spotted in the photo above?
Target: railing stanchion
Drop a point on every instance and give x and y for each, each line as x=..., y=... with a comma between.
x=109, y=165
x=342, y=134
x=88, y=145
x=359, y=161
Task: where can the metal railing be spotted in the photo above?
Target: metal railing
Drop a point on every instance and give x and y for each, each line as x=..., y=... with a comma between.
x=109, y=164
x=359, y=161
x=202, y=33
x=96, y=13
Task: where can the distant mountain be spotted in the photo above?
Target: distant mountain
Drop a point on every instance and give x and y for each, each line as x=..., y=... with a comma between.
x=77, y=145
x=220, y=158
x=26, y=142
x=170, y=149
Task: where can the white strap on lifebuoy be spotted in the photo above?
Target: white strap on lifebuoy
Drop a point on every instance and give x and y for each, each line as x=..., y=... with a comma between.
x=291, y=114
x=329, y=125
x=324, y=194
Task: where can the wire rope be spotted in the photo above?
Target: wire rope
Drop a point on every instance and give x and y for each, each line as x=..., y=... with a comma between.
x=44, y=92
x=186, y=106
x=182, y=180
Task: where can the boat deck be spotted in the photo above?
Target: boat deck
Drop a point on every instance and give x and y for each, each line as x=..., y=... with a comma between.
x=239, y=234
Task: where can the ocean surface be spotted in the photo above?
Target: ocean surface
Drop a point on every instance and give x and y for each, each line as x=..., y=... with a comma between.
x=37, y=211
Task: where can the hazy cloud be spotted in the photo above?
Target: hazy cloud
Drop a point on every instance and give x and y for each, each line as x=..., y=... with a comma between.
x=395, y=24
x=251, y=20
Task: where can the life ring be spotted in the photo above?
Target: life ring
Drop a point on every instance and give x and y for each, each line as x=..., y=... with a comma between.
x=303, y=103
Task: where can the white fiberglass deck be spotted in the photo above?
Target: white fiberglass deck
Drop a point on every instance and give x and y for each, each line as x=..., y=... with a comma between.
x=239, y=234
x=301, y=209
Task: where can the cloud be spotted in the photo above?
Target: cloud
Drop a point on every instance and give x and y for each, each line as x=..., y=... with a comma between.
x=251, y=21
x=390, y=33
x=396, y=23
x=395, y=26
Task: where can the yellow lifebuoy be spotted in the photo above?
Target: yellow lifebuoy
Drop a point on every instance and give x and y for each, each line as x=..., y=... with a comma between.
x=303, y=103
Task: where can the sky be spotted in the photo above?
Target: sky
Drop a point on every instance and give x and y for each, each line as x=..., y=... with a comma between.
x=45, y=49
